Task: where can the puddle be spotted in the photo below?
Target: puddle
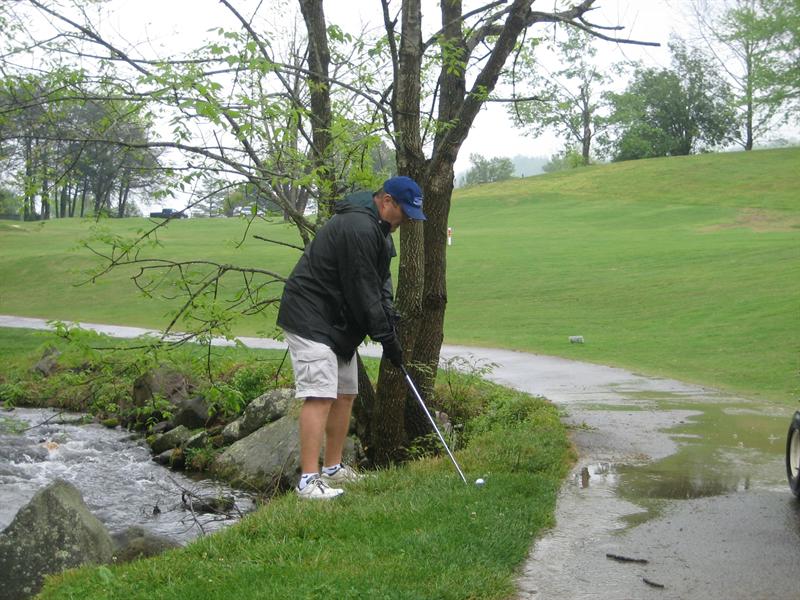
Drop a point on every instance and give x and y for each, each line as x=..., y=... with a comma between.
x=725, y=448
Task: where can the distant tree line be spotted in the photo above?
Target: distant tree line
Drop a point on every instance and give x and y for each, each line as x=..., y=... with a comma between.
x=735, y=81
x=64, y=156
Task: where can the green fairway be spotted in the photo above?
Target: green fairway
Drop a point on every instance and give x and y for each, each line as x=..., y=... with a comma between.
x=687, y=267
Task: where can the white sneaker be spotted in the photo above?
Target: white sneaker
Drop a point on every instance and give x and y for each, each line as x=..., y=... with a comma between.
x=342, y=475
x=316, y=489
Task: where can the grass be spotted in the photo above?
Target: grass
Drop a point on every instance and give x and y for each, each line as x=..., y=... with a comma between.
x=687, y=267
x=407, y=533
x=684, y=267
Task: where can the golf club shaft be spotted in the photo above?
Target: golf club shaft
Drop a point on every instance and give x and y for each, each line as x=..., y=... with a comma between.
x=430, y=418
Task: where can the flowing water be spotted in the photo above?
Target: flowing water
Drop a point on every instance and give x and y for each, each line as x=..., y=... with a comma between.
x=113, y=470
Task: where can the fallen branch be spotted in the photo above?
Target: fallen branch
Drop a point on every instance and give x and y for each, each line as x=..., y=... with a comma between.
x=626, y=559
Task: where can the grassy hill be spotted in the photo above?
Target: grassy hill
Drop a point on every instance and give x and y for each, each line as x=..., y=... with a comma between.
x=686, y=267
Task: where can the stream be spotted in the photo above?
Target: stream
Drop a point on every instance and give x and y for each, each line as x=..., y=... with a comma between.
x=113, y=470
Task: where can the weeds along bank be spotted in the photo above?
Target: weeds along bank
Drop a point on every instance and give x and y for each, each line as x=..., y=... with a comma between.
x=406, y=532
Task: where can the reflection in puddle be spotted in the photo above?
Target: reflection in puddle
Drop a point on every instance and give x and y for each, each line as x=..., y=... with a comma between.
x=723, y=449
x=601, y=473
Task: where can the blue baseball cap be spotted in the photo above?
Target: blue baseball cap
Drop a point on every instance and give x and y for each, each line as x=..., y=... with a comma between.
x=407, y=194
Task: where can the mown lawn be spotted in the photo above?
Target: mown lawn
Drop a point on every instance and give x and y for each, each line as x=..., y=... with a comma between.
x=687, y=267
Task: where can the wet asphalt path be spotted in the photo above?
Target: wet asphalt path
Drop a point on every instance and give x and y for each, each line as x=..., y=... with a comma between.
x=687, y=481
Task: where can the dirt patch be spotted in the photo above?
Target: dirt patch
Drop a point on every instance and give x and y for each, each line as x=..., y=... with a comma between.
x=758, y=220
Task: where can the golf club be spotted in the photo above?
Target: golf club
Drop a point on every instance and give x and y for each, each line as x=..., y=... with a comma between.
x=430, y=418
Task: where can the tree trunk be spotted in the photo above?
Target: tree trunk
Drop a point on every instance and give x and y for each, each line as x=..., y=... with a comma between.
x=422, y=332
x=586, y=121
x=748, y=142
x=28, y=207
x=318, y=60
x=84, y=192
x=388, y=424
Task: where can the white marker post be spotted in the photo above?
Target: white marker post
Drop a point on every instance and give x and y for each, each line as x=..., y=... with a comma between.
x=449, y=236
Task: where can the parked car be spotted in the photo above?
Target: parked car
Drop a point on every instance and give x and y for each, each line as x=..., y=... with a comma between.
x=793, y=454
x=168, y=213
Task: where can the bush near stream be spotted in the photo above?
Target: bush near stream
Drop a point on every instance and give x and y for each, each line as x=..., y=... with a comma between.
x=94, y=373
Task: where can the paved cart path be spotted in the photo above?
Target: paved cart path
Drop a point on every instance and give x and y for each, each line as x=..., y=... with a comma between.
x=722, y=526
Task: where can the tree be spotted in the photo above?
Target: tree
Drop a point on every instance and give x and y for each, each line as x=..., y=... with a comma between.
x=60, y=147
x=10, y=203
x=669, y=112
x=756, y=44
x=569, y=158
x=421, y=95
x=488, y=170
x=568, y=100
x=465, y=59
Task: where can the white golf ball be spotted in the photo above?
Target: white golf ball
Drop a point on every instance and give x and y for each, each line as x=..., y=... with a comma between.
x=479, y=481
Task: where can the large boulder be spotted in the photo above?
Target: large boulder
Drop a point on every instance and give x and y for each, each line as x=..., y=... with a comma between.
x=48, y=364
x=269, y=458
x=264, y=460
x=267, y=408
x=192, y=413
x=53, y=532
x=162, y=382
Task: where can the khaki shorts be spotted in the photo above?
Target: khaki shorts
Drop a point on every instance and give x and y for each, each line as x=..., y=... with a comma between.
x=318, y=372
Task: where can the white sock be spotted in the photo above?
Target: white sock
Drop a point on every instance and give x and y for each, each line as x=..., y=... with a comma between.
x=305, y=478
x=331, y=470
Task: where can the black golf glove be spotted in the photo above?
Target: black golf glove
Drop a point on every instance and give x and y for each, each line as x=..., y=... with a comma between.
x=393, y=351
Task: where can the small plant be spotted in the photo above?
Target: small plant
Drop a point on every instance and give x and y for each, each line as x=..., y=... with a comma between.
x=11, y=394
x=156, y=410
x=225, y=400
x=462, y=393
x=200, y=459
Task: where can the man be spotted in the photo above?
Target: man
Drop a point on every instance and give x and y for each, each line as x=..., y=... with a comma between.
x=335, y=297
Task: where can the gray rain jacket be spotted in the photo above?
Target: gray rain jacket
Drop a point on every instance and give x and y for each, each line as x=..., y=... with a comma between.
x=336, y=294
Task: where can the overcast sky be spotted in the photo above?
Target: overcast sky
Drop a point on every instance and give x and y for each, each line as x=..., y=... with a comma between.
x=164, y=25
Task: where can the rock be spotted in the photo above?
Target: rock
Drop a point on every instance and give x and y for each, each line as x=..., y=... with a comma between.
x=137, y=542
x=208, y=504
x=232, y=432
x=164, y=458
x=111, y=423
x=267, y=459
x=192, y=413
x=162, y=382
x=198, y=440
x=53, y=532
x=174, y=438
x=267, y=408
x=160, y=427
x=48, y=364
x=174, y=458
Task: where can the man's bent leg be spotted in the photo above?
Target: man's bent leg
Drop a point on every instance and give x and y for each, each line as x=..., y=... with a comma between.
x=336, y=428
x=313, y=419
